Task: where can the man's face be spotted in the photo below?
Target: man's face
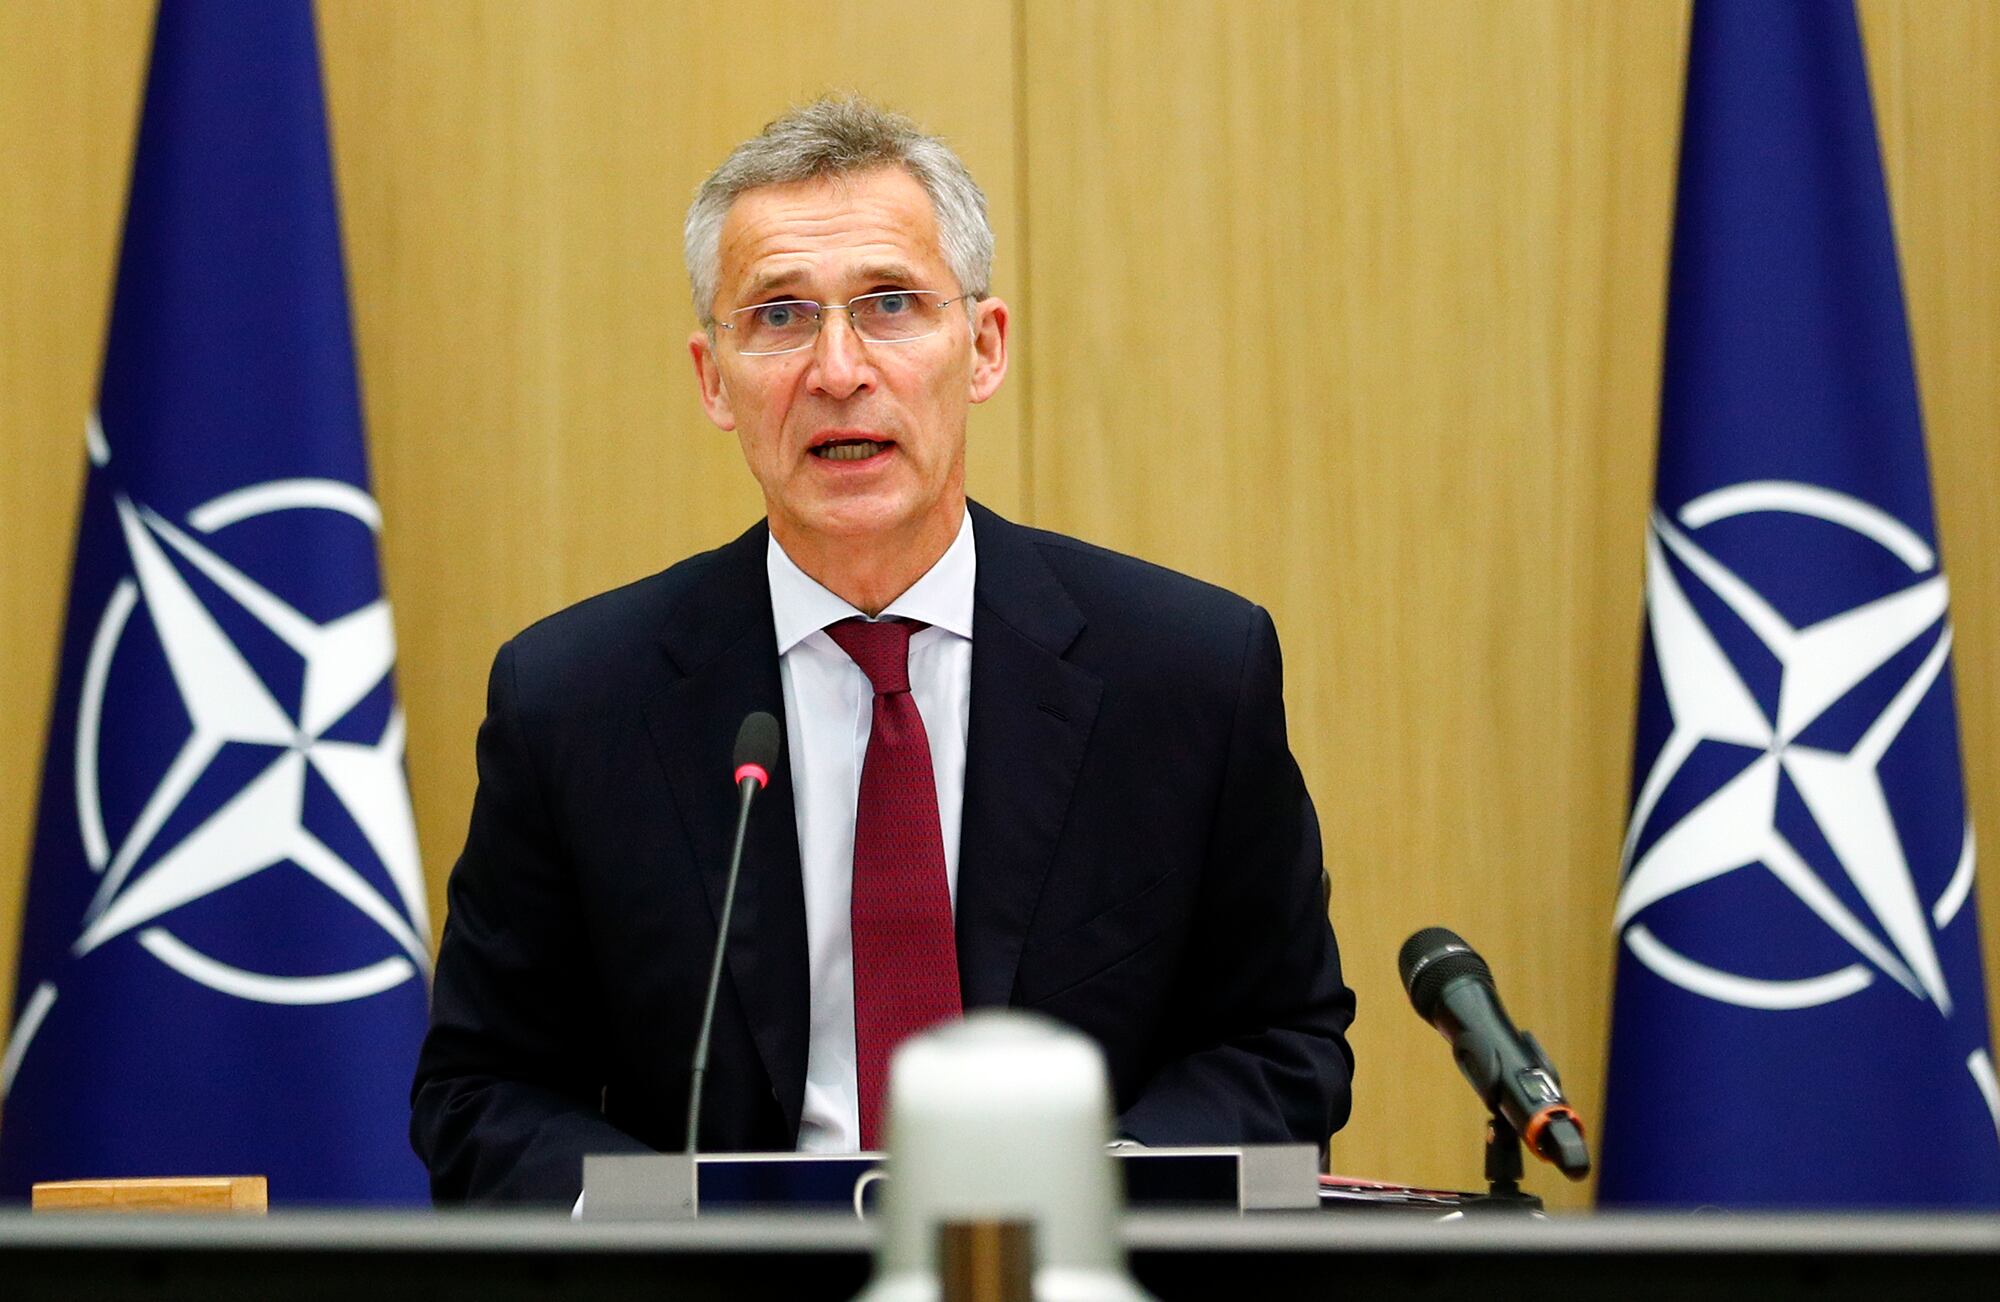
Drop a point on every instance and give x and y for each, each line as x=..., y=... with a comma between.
x=828, y=241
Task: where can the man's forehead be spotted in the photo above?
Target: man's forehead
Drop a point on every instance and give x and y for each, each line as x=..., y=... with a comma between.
x=877, y=224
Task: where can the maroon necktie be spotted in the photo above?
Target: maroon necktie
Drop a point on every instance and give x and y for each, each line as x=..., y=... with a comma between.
x=905, y=959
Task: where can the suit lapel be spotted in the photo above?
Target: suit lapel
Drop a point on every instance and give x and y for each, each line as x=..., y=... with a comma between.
x=720, y=636
x=1031, y=715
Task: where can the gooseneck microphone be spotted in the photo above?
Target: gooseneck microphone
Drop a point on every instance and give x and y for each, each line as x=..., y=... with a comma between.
x=1452, y=988
x=757, y=743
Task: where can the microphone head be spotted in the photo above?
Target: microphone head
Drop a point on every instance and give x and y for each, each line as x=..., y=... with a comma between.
x=757, y=743
x=1432, y=959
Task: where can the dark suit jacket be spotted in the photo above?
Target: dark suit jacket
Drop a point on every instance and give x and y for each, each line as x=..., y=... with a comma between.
x=1139, y=858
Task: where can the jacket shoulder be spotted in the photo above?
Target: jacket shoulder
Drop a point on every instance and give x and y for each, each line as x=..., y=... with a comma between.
x=600, y=645
x=1136, y=604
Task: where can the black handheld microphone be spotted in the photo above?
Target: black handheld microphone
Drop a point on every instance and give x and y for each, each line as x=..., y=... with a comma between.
x=1452, y=988
x=757, y=743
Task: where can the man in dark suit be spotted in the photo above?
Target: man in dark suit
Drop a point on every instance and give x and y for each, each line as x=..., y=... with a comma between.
x=1019, y=770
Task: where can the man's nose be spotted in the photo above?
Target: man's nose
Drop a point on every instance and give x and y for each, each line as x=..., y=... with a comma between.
x=840, y=366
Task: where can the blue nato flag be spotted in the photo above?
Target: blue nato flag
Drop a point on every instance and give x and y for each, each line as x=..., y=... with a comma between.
x=1799, y=1017
x=224, y=954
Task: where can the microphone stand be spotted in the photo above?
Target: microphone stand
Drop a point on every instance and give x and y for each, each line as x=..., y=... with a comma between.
x=746, y=788
x=1504, y=1194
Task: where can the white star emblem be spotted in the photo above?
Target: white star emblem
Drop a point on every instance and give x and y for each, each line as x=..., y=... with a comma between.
x=261, y=825
x=1735, y=826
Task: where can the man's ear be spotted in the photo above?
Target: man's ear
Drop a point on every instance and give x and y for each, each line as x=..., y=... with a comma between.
x=708, y=379
x=989, y=348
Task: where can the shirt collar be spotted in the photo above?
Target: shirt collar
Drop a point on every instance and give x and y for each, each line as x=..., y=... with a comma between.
x=942, y=598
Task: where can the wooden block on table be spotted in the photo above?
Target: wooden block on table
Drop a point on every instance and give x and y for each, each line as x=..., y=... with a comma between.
x=213, y=1193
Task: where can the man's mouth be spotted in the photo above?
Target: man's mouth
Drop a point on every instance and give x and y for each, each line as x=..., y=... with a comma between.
x=850, y=449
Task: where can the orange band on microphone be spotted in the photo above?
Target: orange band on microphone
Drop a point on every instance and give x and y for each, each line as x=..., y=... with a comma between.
x=753, y=771
x=1540, y=1122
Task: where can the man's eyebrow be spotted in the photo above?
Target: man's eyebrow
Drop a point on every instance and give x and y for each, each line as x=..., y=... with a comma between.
x=771, y=280
x=787, y=280
x=892, y=273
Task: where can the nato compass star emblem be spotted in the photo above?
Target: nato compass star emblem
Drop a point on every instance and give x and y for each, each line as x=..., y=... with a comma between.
x=1735, y=826
x=262, y=824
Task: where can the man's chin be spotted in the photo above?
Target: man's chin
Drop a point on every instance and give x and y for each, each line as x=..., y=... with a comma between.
x=859, y=519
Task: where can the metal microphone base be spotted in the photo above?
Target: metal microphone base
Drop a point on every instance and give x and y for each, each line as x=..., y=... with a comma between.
x=1504, y=1195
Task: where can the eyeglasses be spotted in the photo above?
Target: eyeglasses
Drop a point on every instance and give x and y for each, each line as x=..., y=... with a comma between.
x=890, y=316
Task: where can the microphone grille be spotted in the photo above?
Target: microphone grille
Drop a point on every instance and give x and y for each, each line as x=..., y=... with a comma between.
x=1432, y=959
x=757, y=741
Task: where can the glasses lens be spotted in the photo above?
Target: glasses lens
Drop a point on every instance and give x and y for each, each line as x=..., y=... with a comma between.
x=775, y=327
x=896, y=315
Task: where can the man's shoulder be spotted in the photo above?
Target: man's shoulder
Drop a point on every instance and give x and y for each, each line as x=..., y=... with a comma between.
x=1107, y=583
x=1118, y=574
x=1115, y=615
x=606, y=637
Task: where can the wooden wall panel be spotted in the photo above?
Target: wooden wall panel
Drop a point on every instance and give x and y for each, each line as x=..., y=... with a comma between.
x=1355, y=309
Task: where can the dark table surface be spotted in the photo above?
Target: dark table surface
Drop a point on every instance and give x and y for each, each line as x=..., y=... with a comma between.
x=500, y=1256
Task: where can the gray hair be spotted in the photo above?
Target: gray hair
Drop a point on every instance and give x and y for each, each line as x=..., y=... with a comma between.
x=837, y=135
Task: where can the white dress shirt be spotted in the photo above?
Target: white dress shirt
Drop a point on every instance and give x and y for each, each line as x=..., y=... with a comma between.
x=829, y=709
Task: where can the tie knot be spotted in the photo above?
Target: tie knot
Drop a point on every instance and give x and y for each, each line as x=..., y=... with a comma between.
x=880, y=647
